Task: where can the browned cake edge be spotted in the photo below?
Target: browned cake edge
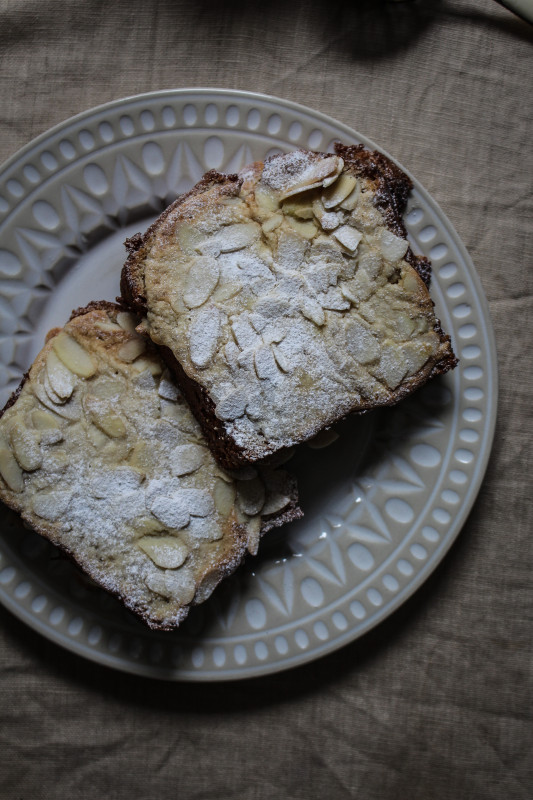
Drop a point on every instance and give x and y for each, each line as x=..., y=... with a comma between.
x=223, y=569
x=132, y=276
x=392, y=188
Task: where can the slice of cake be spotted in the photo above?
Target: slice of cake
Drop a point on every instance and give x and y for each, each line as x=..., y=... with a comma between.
x=100, y=453
x=286, y=297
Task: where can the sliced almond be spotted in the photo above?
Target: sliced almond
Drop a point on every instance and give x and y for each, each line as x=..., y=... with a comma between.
x=307, y=229
x=178, y=586
x=186, y=458
x=148, y=525
x=275, y=502
x=230, y=238
x=203, y=336
x=51, y=505
x=232, y=405
x=266, y=367
x=334, y=300
x=339, y=191
x=10, y=470
x=323, y=439
x=392, y=367
x=272, y=223
x=224, y=497
x=167, y=389
x=363, y=346
x=96, y=437
x=298, y=208
x=330, y=221
x=127, y=321
x=393, y=247
x=25, y=444
x=111, y=424
x=309, y=173
x=265, y=199
x=131, y=349
x=52, y=395
x=253, y=528
x=226, y=290
x=73, y=355
x=281, y=359
x=349, y=238
x=203, y=529
x=44, y=420
x=411, y=282
x=313, y=311
x=107, y=327
x=201, y=281
x=246, y=473
x=251, y=496
x=168, y=552
x=150, y=364
x=200, y=502
x=416, y=354
x=175, y=510
x=404, y=325
x=51, y=436
x=350, y=202
x=62, y=380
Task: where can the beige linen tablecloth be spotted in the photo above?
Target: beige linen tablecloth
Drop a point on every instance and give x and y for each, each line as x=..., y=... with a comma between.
x=435, y=703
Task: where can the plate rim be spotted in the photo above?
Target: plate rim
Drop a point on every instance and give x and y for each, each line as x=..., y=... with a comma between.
x=152, y=670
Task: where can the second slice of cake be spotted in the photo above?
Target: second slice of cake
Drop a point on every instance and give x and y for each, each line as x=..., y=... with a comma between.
x=100, y=454
x=286, y=297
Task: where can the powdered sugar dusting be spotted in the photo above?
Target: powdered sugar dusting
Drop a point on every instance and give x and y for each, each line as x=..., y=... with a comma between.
x=274, y=346
x=134, y=503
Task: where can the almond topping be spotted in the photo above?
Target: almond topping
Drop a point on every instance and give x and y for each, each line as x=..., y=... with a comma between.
x=127, y=321
x=251, y=496
x=306, y=229
x=392, y=247
x=108, y=327
x=349, y=238
x=323, y=439
x=272, y=223
x=224, y=497
x=339, y=191
x=25, y=444
x=179, y=586
x=275, y=502
x=111, y=424
x=201, y=281
x=44, y=420
x=253, y=527
x=131, y=349
x=186, y=458
x=62, y=380
x=168, y=552
x=232, y=406
x=73, y=355
x=313, y=311
x=203, y=336
x=10, y=470
x=50, y=505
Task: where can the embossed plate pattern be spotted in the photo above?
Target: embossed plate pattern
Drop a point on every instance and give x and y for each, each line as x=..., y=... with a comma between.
x=383, y=503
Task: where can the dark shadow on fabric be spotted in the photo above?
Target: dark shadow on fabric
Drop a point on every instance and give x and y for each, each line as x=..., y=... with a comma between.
x=244, y=695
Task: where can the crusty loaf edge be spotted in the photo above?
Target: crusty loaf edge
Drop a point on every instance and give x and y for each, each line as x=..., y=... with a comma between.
x=223, y=569
x=392, y=187
x=132, y=277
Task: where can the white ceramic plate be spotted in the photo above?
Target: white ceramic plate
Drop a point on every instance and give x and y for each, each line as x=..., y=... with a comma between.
x=383, y=504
